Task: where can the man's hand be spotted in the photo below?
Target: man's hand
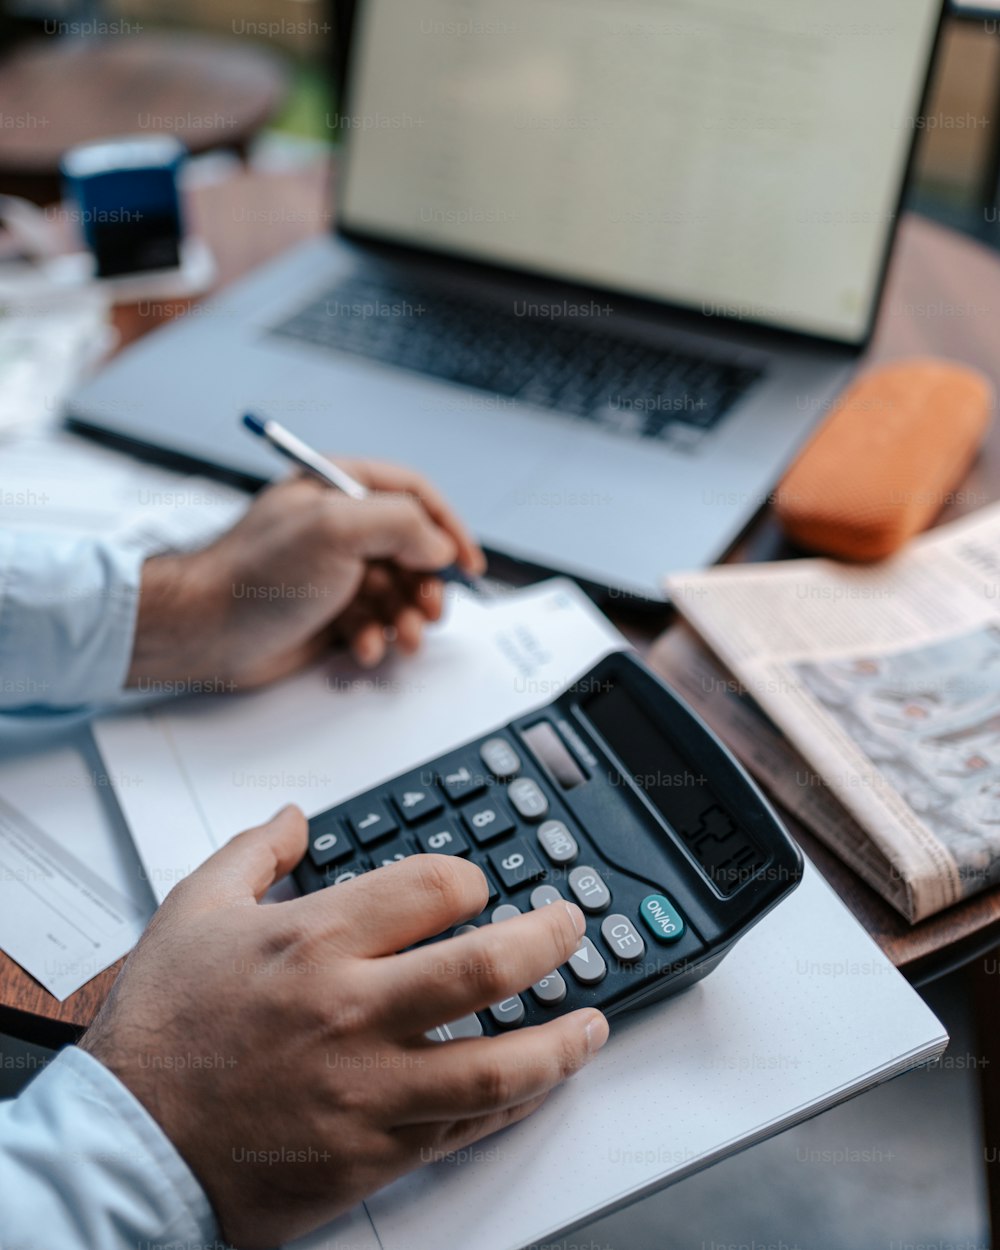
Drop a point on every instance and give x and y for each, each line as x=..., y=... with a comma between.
x=281, y=1047
x=306, y=568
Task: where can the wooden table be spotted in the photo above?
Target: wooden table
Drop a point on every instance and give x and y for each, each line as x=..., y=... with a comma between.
x=208, y=92
x=943, y=297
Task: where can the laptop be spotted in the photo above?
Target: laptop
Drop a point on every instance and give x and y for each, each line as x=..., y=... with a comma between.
x=598, y=270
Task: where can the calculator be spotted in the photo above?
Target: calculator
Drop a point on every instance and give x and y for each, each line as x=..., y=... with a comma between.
x=615, y=796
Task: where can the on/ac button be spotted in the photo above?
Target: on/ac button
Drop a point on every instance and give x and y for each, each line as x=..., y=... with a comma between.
x=662, y=919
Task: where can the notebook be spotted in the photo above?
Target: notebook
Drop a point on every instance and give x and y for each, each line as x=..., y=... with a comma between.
x=804, y=1013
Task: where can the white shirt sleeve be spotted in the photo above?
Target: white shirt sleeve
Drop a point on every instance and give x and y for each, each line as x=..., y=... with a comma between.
x=68, y=609
x=83, y=1166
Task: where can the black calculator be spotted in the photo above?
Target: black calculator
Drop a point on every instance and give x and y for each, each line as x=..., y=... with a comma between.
x=615, y=796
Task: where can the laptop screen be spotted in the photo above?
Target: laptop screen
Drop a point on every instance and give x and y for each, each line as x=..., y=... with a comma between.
x=742, y=158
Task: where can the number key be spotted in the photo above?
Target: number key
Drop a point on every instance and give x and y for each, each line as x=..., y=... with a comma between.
x=516, y=865
x=461, y=782
x=328, y=843
x=487, y=822
x=337, y=876
x=442, y=838
x=370, y=821
x=415, y=801
x=394, y=851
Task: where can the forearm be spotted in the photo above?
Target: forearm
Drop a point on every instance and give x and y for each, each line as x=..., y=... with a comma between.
x=83, y=1165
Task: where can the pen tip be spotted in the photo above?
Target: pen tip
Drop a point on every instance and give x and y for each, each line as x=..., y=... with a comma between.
x=253, y=423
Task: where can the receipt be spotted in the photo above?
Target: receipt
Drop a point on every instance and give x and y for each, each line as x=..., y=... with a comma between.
x=58, y=920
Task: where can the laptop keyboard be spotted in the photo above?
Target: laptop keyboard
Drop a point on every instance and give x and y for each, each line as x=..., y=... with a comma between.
x=619, y=383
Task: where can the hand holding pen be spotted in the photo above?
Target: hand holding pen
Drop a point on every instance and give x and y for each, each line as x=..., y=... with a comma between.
x=310, y=461
x=306, y=569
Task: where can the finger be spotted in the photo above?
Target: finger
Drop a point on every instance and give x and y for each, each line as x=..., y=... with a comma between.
x=444, y=981
x=245, y=868
x=388, y=527
x=461, y=1079
x=385, y=911
x=369, y=645
x=432, y=1143
x=409, y=630
x=429, y=597
x=380, y=476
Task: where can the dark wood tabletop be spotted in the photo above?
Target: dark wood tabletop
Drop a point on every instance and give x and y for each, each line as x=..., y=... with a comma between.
x=208, y=91
x=943, y=298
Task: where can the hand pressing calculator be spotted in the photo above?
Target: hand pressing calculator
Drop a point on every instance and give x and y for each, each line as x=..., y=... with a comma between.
x=616, y=797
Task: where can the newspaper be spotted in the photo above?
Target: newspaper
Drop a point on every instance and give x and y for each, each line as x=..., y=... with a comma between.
x=886, y=681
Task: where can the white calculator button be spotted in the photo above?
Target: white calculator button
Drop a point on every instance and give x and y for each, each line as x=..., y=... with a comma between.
x=589, y=890
x=508, y=1014
x=468, y=1026
x=527, y=799
x=500, y=758
x=542, y=895
x=623, y=938
x=557, y=842
x=587, y=964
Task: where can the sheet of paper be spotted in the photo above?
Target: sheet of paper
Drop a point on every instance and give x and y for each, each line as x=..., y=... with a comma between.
x=213, y=765
x=71, y=903
x=802, y=1014
x=54, y=481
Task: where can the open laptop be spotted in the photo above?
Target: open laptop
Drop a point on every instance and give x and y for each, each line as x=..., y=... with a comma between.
x=599, y=269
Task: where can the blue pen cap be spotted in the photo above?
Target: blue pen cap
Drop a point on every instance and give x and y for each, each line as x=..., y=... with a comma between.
x=126, y=193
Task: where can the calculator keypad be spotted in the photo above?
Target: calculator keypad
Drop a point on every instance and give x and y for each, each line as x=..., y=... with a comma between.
x=493, y=804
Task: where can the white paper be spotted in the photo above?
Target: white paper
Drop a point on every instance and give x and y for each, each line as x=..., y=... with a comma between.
x=58, y=919
x=54, y=481
x=804, y=1013
x=211, y=766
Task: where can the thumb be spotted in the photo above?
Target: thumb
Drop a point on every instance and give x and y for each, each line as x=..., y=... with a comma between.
x=394, y=527
x=244, y=869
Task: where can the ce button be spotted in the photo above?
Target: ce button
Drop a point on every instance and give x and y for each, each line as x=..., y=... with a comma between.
x=623, y=938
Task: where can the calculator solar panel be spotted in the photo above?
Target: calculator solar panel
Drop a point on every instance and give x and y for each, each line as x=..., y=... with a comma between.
x=616, y=797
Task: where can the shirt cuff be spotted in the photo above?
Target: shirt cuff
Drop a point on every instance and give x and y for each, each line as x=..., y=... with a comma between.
x=68, y=609
x=117, y=1176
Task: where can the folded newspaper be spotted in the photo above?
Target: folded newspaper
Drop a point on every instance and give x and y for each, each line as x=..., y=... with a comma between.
x=885, y=681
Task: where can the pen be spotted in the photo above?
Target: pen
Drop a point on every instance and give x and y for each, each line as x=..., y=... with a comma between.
x=307, y=458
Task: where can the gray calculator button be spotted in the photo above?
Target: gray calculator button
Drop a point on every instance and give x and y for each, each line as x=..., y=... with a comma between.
x=589, y=890
x=465, y=928
x=527, y=799
x=550, y=990
x=508, y=1014
x=468, y=1026
x=500, y=758
x=542, y=895
x=623, y=938
x=557, y=842
x=586, y=964
x=506, y=911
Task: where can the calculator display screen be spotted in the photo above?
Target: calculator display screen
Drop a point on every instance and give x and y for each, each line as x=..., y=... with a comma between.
x=549, y=748
x=726, y=853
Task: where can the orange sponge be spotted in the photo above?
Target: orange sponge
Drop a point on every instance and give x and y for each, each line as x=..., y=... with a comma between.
x=883, y=463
